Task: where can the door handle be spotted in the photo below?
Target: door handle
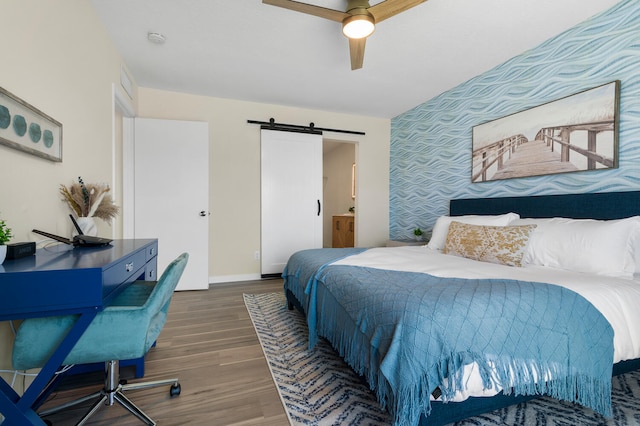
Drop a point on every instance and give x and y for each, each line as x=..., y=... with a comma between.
x=204, y=213
x=319, y=208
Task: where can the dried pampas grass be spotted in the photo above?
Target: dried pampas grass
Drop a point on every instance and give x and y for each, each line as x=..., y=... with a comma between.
x=90, y=200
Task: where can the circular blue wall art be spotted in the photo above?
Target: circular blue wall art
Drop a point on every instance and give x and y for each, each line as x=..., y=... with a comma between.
x=35, y=133
x=47, y=138
x=19, y=125
x=5, y=117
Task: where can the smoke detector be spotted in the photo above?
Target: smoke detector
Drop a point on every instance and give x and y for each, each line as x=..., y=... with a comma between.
x=156, y=38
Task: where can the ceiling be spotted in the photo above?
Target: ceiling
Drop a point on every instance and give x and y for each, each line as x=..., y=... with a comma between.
x=245, y=50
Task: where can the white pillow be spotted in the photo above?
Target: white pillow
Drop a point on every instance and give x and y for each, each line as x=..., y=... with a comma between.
x=603, y=247
x=441, y=228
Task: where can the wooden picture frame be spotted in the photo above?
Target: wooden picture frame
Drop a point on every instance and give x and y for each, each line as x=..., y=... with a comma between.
x=26, y=128
x=575, y=133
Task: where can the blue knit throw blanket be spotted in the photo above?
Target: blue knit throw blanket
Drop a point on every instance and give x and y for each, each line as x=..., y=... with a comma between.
x=303, y=265
x=406, y=332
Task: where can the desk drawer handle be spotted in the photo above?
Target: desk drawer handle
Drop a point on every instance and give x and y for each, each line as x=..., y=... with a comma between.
x=129, y=267
x=152, y=251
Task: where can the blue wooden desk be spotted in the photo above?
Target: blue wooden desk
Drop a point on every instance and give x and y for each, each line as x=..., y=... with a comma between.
x=61, y=280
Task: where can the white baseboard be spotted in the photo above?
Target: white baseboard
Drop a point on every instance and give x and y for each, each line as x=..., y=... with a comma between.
x=233, y=278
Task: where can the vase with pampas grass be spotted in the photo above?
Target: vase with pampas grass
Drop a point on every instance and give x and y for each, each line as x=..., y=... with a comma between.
x=88, y=201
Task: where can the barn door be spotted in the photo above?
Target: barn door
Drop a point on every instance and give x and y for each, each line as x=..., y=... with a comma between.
x=291, y=196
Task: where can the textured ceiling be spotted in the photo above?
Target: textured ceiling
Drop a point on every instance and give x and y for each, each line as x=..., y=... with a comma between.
x=243, y=49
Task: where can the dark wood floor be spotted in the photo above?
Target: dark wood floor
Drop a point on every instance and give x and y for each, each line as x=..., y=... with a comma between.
x=210, y=344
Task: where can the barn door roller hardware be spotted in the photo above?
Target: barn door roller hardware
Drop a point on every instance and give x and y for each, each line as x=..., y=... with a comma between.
x=311, y=128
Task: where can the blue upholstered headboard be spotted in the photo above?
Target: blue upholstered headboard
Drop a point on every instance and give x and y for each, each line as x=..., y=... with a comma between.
x=601, y=205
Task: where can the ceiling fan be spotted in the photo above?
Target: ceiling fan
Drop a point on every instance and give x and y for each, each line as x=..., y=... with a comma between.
x=358, y=22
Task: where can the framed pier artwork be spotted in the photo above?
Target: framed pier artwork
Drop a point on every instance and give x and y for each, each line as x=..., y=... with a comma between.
x=26, y=128
x=571, y=134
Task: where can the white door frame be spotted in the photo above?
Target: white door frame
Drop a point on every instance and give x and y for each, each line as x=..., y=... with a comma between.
x=122, y=103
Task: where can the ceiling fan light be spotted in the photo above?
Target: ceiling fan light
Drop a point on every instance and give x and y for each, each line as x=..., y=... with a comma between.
x=358, y=26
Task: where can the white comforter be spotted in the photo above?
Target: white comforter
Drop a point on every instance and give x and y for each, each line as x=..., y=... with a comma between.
x=618, y=299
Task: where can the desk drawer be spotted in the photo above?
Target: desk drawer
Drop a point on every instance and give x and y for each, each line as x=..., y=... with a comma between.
x=151, y=252
x=125, y=270
x=151, y=270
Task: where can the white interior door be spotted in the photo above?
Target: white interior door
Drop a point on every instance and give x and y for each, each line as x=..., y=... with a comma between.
x=291, y=196
x=171, y=180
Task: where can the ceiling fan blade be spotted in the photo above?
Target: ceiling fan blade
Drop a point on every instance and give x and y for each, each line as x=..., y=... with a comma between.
x=389, y=8
x=322, y=12
x=356, y=51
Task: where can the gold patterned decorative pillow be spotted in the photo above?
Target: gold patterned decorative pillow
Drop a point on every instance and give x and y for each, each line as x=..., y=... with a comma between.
x=496, y=244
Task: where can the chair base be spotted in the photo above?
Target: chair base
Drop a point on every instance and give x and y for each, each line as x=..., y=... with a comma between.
x=112, y=392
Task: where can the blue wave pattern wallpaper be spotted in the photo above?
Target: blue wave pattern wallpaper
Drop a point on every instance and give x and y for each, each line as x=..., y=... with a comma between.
x=430, y=160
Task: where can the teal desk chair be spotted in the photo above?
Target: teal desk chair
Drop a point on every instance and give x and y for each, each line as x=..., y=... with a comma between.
x=126, y=329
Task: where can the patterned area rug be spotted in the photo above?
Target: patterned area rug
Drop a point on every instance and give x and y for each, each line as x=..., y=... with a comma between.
x=318, y=388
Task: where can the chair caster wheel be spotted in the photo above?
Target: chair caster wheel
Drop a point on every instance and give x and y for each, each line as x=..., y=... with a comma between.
x=122, y=382
x=175, y=389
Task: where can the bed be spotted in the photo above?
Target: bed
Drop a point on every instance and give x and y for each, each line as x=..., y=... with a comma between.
x=449, y=331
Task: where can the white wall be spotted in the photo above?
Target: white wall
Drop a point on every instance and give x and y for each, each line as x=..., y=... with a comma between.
x=63, y=64
x=235, y=171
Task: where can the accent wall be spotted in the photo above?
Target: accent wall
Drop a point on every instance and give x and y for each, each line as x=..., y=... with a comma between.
x=430, y=160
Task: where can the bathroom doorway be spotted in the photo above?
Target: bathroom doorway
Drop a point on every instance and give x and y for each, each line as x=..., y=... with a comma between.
x=339, y=158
